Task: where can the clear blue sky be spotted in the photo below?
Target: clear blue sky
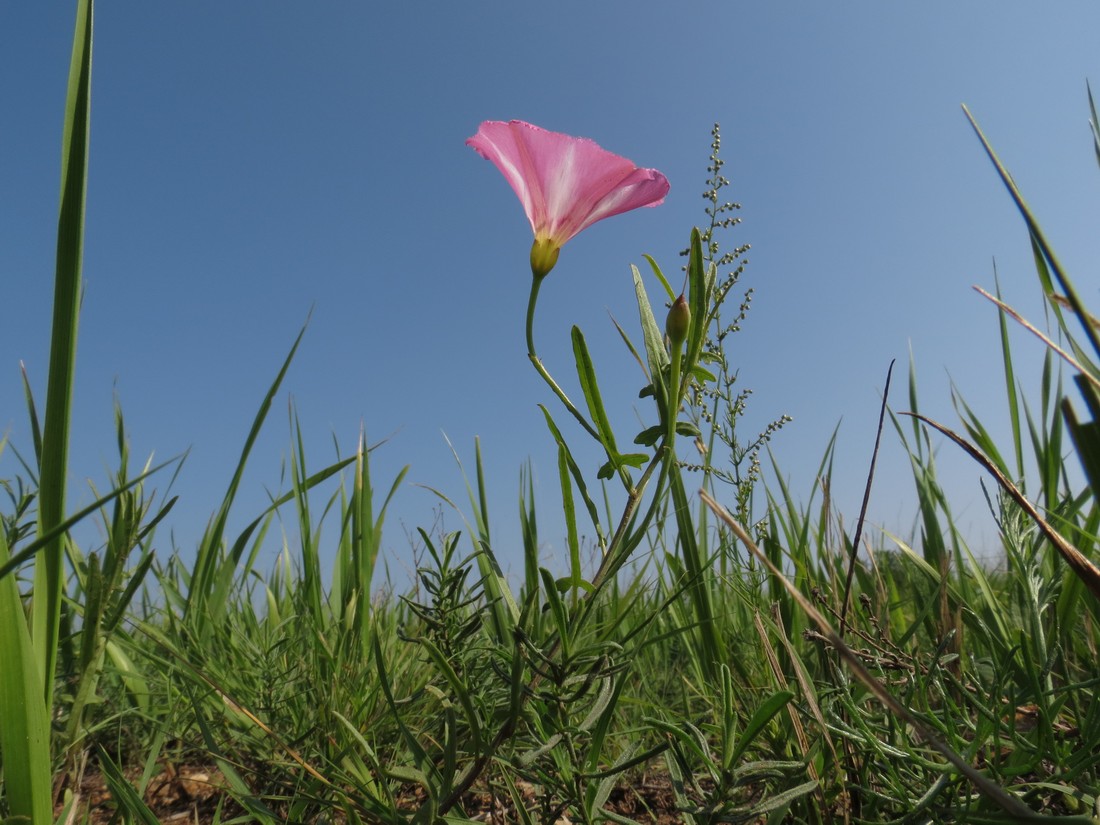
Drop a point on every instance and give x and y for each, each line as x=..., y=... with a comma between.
x=253, y=160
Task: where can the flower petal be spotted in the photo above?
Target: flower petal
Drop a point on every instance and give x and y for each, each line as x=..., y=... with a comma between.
x=565, y=183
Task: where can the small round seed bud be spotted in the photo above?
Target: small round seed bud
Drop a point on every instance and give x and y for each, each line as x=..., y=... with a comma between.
x=678, y=321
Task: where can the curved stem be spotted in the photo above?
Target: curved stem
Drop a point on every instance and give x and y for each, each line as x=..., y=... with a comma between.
x=536, y=362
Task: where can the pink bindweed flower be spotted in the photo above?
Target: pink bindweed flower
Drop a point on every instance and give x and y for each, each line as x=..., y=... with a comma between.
x=565, y=183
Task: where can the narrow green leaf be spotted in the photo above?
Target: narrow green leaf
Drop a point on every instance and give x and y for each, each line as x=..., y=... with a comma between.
x=1094, y=123
x=24, y=722
x=570, y=514
x=1039, y=238
x=586, y=372
x=661, y=277
x=653, y=338
x=32, y=416
x=53, y=474
x=698, y=300
x=129, y=802
x=575, y=471
x=759, y=719
x=557, y=610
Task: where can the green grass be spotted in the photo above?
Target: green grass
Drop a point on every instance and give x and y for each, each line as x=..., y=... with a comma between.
x=769, y=665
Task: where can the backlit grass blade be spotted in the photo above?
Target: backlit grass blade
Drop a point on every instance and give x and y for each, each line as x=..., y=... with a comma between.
x=1085, y=569
x=366, y=536
x=66, y=309
x=32, y=416
x=1094, y=123
x=208, y=563
x=586, y=373
x=26, y=553
x=1010, y=388
x=1008, y=803
x=570, y=512
x=505, y=611
x=24, y=722
x=1039, y=238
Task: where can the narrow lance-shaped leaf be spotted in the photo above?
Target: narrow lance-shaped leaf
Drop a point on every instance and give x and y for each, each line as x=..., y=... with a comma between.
x=697, y=280
x=654, y=341
x=66, y=311
x=575, y=471
x=570, y=513
x=586, y=372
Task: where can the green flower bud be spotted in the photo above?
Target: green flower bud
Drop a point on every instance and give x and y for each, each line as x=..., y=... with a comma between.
x=678, y=321
x=544, y=254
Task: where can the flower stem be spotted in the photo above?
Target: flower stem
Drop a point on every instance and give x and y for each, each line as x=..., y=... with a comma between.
x=536, y=362
x=622, y=543
x=674, y=395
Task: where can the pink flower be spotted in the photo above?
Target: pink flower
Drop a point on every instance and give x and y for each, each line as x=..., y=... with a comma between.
x=565, y=183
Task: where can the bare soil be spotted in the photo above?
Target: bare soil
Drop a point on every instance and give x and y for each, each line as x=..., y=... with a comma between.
x=194, y=794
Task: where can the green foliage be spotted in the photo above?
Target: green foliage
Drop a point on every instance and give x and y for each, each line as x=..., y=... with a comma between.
x=688, y=648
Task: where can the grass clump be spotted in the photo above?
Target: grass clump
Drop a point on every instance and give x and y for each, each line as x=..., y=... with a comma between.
x=748, y=662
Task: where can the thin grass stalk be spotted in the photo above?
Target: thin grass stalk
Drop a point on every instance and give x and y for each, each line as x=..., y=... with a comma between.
x=366, y=541
x=856, y=539
x=311, y=563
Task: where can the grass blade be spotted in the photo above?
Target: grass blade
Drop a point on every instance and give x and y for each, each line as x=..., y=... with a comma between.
x=24, y=723
x=66, y=310
x=1038, y=238
x=1008, y=803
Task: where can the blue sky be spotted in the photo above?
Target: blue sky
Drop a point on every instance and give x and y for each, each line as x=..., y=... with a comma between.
x=251, y=161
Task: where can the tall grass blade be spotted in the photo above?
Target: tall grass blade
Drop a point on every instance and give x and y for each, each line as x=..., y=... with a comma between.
x=693, y=552
x=209, y=566
x=505, y=611
x=1010, y=389
x=1038, y=238
x=48, y=576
